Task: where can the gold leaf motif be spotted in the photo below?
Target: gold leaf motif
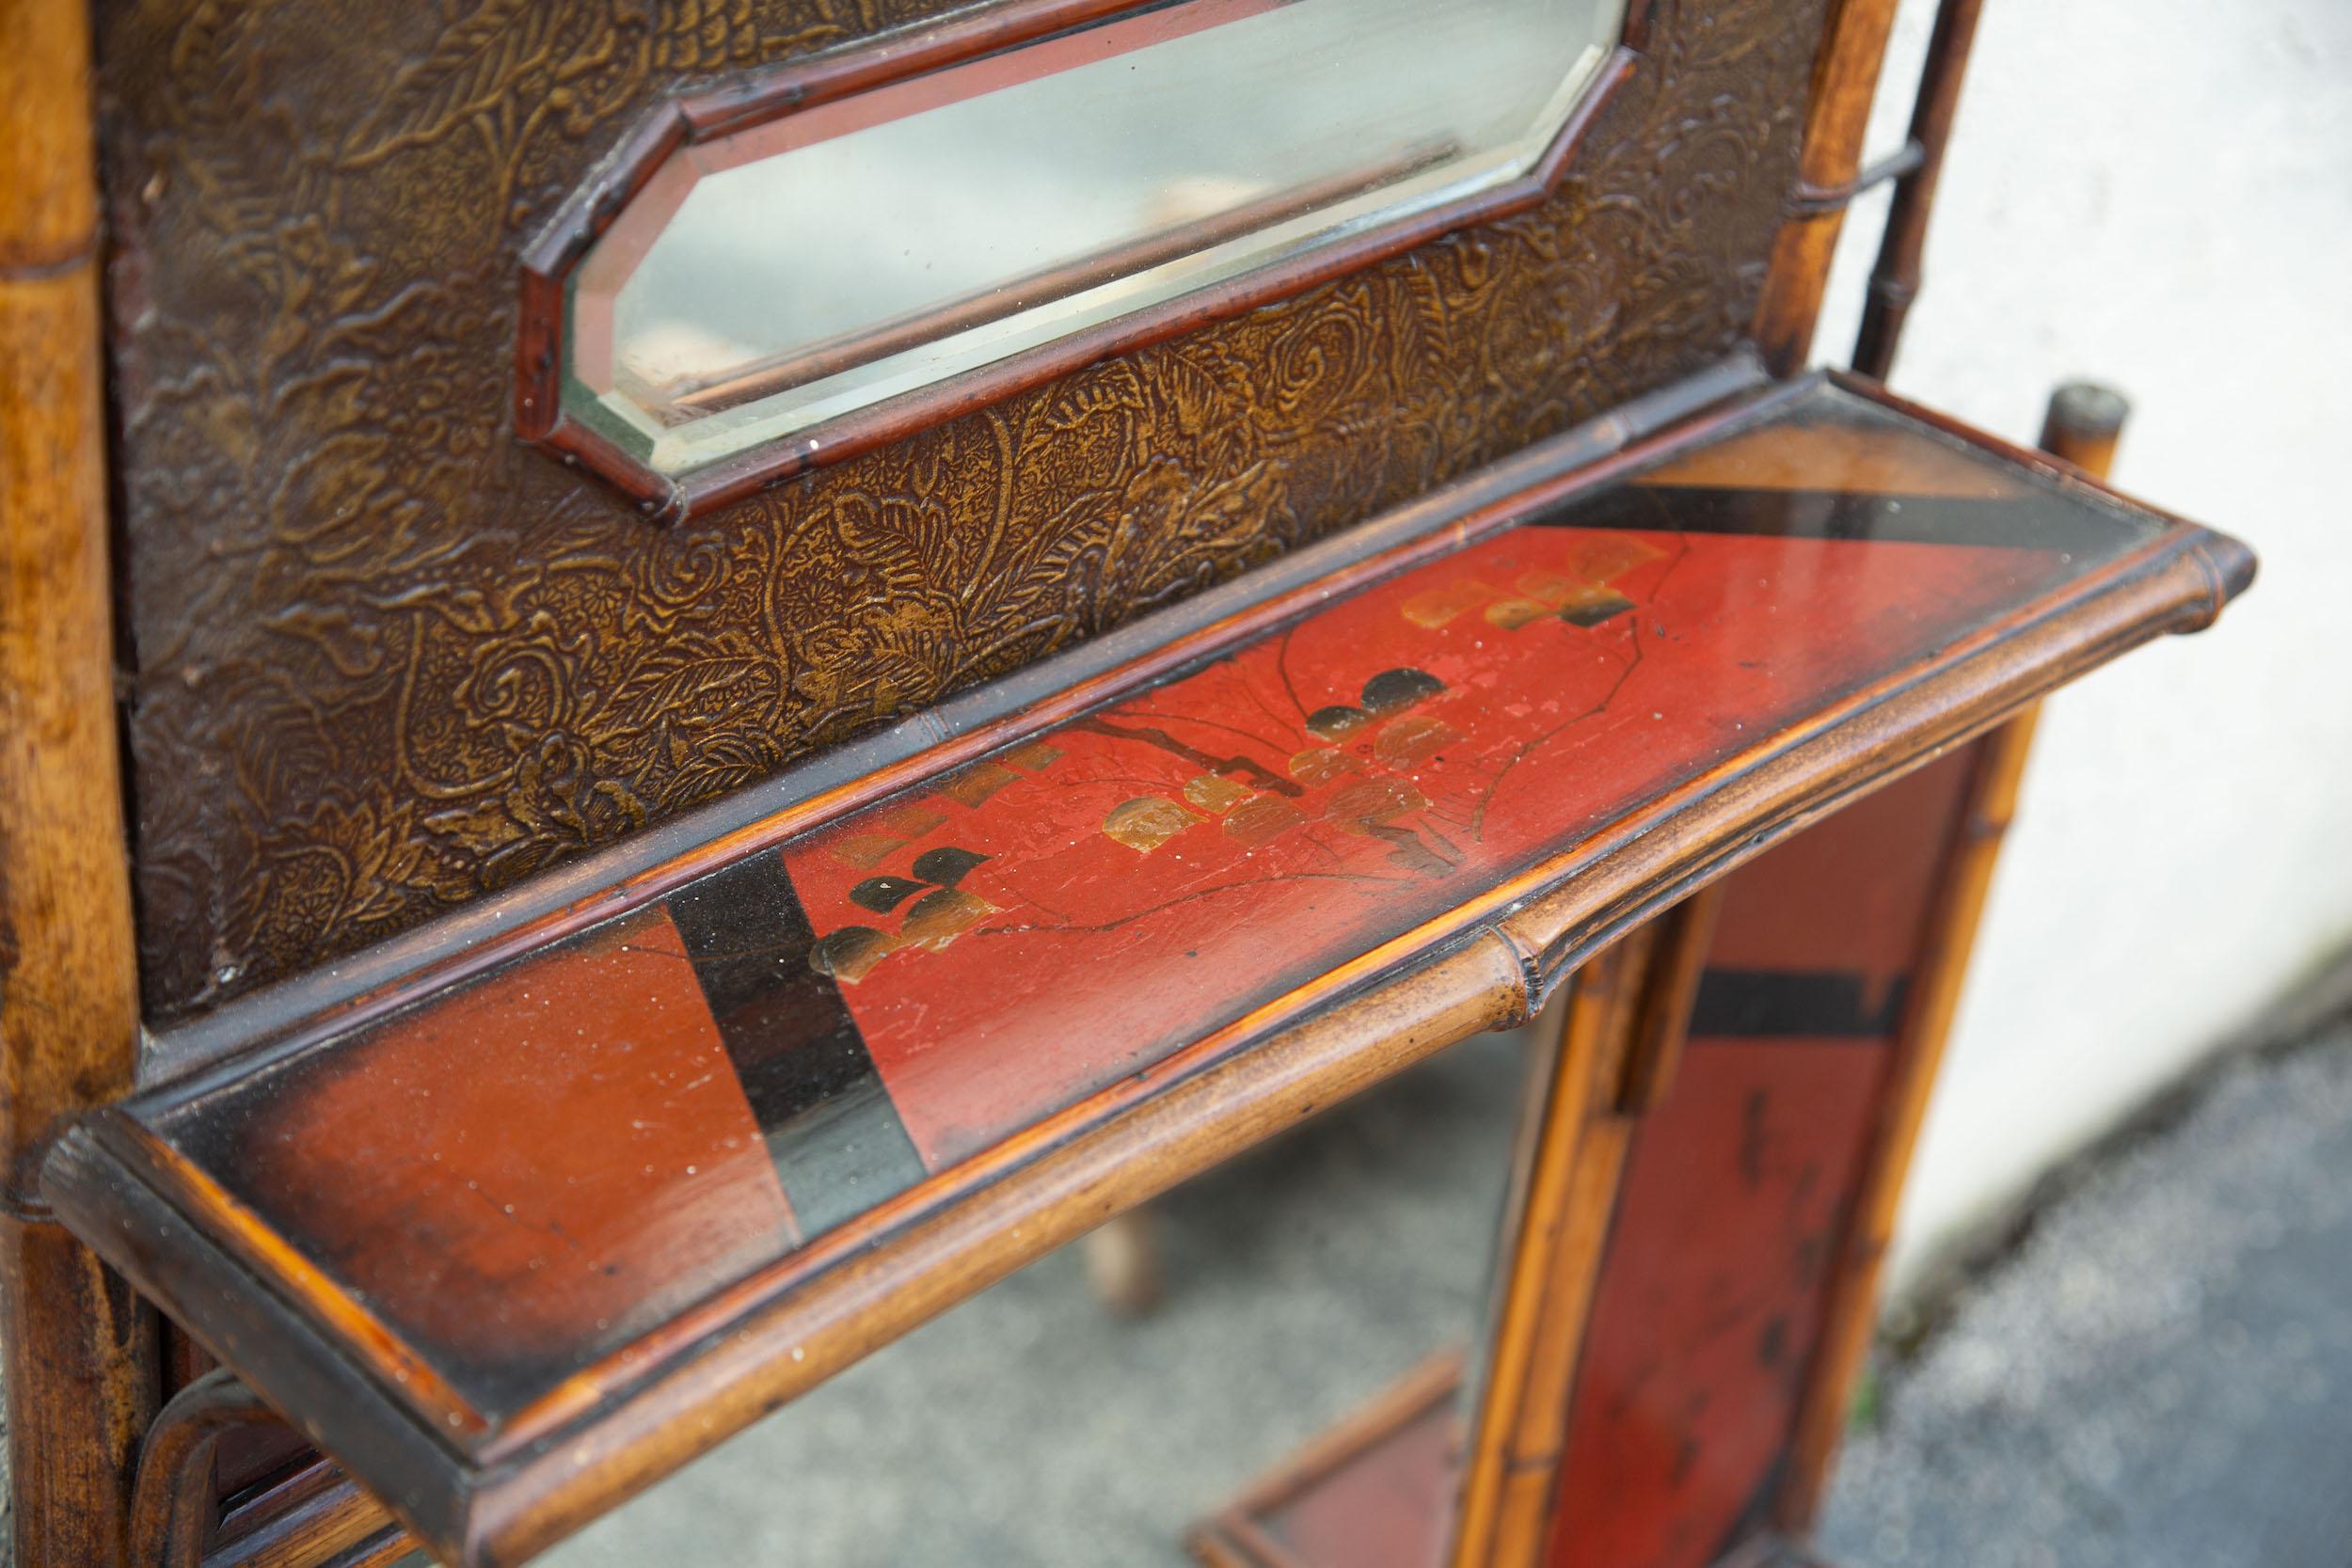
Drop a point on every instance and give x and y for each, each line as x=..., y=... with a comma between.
x=1261, y=820
x=1435, y=607
x=1144, y=825
x=849, y=954
x=1213, y=794
x=1412, y=739
x=1511, y=614
x=1604, y=558
x=1320, y=764
x=1034, y=757
x=1594, y=606
x=1366, y=804
x=972, y=786
x=938, y=918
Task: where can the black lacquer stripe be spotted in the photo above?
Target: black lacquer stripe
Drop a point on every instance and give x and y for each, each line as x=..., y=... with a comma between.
x=2029, y=521
x=1756, y=1004
x=837, y=1141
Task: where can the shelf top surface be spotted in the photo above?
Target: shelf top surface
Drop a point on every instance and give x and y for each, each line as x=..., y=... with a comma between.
x=512, y=1188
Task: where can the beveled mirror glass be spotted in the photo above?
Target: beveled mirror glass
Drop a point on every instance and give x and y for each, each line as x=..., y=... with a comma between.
x=765, y=281
x=1273, y=1352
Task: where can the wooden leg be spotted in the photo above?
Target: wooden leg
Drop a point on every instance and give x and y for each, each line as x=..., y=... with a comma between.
x=80, y=1349
x=1845, y=80
x=1851, y=1312
x=2084, y=423
x=1402, y=1482
x=1123, y=1257
x=1738, y=1285
x=1692, y=1237
x=80, y=1393
x=1894, y=281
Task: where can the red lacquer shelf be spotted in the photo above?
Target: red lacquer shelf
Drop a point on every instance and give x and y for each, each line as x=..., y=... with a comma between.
x=543, y=1211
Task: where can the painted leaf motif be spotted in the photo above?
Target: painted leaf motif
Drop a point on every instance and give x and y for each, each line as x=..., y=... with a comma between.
x=882, y=894
x=849, y=953
x=946, y=865
x=1391, y=690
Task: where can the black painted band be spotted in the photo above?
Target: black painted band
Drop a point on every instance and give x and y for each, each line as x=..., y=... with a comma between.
x=838, y=1143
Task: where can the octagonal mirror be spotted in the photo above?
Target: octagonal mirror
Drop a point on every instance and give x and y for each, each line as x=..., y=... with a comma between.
x=852, y=248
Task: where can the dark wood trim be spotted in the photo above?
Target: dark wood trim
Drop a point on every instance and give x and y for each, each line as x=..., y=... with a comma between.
x=1564, y=1199
x=233, y=1322
x=314, y=1518
x=1969, y=855
x=910, y=51
x=548, y=262
x=1655, y=1048
x=1640, y=15
x=81, y=1352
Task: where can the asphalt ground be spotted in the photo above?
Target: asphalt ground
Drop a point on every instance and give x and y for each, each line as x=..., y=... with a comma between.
x=2158, y=1375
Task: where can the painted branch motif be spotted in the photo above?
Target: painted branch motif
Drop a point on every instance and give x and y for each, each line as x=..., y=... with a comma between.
x=1343, y=775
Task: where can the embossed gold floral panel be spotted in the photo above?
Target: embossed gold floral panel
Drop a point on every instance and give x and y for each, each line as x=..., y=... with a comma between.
x=764, y=281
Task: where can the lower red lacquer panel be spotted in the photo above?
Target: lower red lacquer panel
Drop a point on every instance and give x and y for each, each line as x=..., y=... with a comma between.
x=1692, y=1368
x=1737, y=1193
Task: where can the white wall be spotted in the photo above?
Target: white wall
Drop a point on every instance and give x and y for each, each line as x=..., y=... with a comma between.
x=2156, y=194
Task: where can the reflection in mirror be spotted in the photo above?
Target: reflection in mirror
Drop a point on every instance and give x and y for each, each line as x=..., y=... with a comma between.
x=767, y=280
x=1315, y=1301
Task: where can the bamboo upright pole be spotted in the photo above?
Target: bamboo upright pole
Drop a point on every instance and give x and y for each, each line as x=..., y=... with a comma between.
x=1895, y=281
x=80, y=1348
x=1845, y=80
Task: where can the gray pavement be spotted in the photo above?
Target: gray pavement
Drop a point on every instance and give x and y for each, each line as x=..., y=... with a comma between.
x=2160, y=1376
